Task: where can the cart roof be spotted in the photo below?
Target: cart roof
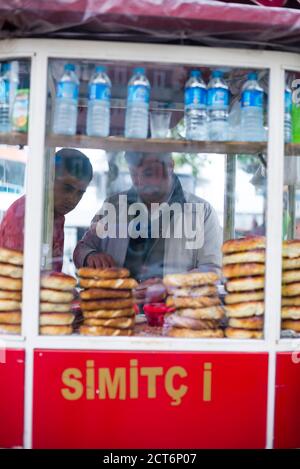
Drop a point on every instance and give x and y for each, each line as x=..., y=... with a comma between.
x=206, y=22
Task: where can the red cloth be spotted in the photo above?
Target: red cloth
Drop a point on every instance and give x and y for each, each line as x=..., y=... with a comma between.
x=12, y=232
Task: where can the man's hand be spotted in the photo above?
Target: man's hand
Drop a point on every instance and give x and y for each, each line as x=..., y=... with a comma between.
x=150, y=291
x=99, y=260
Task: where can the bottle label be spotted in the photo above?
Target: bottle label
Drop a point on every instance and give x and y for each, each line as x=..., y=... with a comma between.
x=138, y=94
x=252, y=98
x=4, y=91
x=194, y=97
x=99, y=91
x=288, y=101
x=67, y=89
x=217, y=97
x=20, y=111
x=296, y=123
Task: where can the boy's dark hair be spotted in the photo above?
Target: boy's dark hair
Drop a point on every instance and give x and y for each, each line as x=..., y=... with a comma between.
x=73, y=162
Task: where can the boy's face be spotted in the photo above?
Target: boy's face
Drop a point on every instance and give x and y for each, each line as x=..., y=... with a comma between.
x=68, y=192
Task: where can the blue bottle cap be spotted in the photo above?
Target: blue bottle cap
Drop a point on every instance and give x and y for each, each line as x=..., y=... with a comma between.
x=252, y=76
x=195, y=73
x=217, y=74
x=70, y=67
x=139, y=71
x=100, y=69
x=5, y=66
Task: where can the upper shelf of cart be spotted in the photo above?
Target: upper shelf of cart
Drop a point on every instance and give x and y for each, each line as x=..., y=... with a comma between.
x=152, y=145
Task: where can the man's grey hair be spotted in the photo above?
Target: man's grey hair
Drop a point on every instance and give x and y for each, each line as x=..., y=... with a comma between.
x=135, y=158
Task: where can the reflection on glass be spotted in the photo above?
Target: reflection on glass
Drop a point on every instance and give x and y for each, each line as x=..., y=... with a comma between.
x=14, y=104
x=152, y=222
x=12, y=210
x=153, y=250
x=290, y=302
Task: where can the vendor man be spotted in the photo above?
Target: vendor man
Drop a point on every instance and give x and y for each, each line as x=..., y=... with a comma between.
x=73, y=173
x=158, y=228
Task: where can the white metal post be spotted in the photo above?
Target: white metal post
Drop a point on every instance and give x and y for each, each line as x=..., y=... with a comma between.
x=274, y=233
x=33, y=223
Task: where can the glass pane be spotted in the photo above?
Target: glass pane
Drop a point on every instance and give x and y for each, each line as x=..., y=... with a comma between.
x=290, y=305
x=14, y=100
x=150, y=261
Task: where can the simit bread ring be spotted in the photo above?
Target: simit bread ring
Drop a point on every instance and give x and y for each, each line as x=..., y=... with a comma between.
x=195, y=334
x=232, y=298
x=123, y=284
x=7, y=283
x=292, y=289
x=109, y=273
x=233, y=333
x=201, y=301
x=56, y=319
x=290, y=301
x=244, y=244
x=55, y=307
x=98, y=330
x=291, y=248
x=294, y=325
x=212, y=312
x=290, y=312
x=290, y=264
x=10, y=295
x=9, y=270
x=56, y=296
x=101, y=293
x=10, y=329
x=107, y=304
x=255, y=323
x=58, y=281
x=258, y=255
x=12, y=317
x=118, y=323
x=190, y=323
x=56, y=330
x=290, y=276
x=11, y=257
x=192, y=279
x=243, y=270
x=246, y=309
x=245, y=284
x=9, y=305
x=193, y=292
x=108, y=314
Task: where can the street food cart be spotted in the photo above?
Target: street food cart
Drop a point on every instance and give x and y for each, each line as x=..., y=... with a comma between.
x=159, y=391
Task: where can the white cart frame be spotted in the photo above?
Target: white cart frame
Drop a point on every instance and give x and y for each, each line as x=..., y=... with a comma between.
x=39, y=51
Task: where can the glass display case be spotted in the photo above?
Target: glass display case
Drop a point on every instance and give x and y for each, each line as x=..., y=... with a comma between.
x=14, y=108
x=186, y=192
x=153, y=234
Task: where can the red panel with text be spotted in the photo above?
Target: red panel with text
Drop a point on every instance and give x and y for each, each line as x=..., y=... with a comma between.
x=94, y=399
x=12, y=371
x=287, y=410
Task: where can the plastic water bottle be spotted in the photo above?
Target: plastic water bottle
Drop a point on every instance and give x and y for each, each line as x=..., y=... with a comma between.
x=287, y=114
x=234, y=122
x=195, y=112
x=252, y=128
x=65, y=114
x=137, y=109
x=98, y=115
x=218, y=107
x=8, y=89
